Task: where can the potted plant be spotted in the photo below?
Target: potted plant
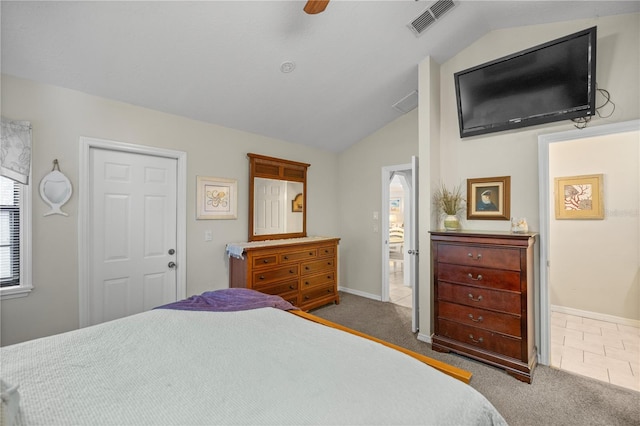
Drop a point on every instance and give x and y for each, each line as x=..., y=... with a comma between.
x=449, y=203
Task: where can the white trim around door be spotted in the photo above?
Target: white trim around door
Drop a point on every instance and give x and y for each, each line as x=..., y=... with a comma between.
x=84, y=199
x=544, y=311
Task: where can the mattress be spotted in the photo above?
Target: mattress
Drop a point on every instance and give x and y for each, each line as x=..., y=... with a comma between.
x=259, y=366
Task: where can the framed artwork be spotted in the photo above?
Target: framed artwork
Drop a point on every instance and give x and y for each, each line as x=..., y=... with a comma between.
x=579, y=197
x=394, y=205
x=297, y=204
x=217, y=198
x=489, y=198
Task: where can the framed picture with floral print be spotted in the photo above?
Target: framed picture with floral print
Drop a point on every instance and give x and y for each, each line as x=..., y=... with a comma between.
x=217, y=198
x=579, y=197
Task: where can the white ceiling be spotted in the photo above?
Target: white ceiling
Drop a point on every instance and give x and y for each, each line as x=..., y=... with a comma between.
x=219, y=61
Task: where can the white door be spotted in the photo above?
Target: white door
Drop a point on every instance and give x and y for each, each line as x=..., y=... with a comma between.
x=269, y=206
x=413, y=241
x=132, y=219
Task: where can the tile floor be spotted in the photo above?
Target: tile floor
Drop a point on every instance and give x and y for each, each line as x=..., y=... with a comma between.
x=598, y=349
x=399, y=294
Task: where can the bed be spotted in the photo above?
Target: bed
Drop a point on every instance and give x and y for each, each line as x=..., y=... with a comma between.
x=264, y=364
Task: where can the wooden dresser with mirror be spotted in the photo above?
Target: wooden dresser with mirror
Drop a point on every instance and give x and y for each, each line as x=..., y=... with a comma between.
x=279, y=258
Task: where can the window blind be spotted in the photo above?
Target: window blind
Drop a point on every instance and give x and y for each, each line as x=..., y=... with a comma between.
x=9, y=232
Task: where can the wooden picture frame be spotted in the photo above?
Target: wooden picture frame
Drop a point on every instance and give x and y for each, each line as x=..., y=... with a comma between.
x=216, y=198
x=489, y=198
x=297, y=204
x=579, y=197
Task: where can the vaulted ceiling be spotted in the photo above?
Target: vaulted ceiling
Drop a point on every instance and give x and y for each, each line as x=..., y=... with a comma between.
x=222, y=61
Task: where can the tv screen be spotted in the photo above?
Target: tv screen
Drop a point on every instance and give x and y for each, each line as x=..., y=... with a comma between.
x=550, y=82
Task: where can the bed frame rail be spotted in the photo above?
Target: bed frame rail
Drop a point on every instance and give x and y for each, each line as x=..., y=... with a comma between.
x=455, y=372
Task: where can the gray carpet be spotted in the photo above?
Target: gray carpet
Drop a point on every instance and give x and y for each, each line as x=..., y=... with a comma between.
x=555, y=397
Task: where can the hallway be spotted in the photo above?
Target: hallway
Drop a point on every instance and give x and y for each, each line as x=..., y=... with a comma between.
x=399, y=294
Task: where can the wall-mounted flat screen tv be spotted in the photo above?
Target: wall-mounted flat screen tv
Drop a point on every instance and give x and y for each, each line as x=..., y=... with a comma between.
x=550, y=82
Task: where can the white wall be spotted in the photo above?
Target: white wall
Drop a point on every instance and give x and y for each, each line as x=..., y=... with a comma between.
x=513, y=153
x=60, y=116
x=360, y=195
x=595, y=264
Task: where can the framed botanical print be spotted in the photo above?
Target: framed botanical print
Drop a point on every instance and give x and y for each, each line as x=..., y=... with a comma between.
x=579, y=197
x=217, y=198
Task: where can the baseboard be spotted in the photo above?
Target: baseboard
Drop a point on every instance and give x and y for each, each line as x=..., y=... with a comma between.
x=595, y=316
x=360, y=293
x=424, y=337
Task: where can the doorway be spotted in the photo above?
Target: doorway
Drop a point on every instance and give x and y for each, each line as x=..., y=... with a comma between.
x=400, y=289
x=399, y=237
x=132, y=229
x=576, y=311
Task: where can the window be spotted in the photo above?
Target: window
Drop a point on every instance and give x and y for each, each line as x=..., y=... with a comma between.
x=15, y=231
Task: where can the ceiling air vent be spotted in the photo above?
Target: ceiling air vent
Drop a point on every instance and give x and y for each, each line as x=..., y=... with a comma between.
x=430, y=15
x=407, y=103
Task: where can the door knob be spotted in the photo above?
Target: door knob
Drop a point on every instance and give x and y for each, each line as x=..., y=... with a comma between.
x=172, y=265
x=172, y=251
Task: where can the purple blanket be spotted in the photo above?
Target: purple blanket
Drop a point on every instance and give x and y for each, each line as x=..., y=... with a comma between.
x=228, y=300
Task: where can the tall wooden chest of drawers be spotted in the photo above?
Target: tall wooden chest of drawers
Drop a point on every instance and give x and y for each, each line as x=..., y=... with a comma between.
x=302, y=271
x=484, y=298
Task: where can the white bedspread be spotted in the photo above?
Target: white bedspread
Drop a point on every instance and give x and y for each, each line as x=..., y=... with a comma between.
x=263, y=366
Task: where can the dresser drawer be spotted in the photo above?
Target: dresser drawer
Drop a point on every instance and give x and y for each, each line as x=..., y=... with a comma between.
x=318, y=293
x=477, y=297
x=316, y=280
x=483, y=277
x=327, y=251
x=478, y=255
x=265, y=261
x=295, y=256
x=488, y=320
x=291, y=298
x=278, y=288
x=483, y=339
x=271, y=275
x=317, y=266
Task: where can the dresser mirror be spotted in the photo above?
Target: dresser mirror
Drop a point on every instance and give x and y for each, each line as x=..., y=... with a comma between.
x=277, y=198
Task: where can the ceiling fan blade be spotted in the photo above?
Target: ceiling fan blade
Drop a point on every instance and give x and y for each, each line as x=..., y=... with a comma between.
x=315, y=6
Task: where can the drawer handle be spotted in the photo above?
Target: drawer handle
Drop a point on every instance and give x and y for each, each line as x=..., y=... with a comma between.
x=291, y=271
x=474, y=340
x=306, y=298
x=261, y=277
x=478, y=257
x=310, y=253
x=286, y=257
x=475, y=300
x=478, y=278
x=306, y=267
x=475, y=320
x=293, y=287
x=265, y=261
x=306, y=283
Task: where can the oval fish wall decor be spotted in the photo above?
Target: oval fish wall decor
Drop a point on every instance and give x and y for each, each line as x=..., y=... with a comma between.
x=55, y=190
